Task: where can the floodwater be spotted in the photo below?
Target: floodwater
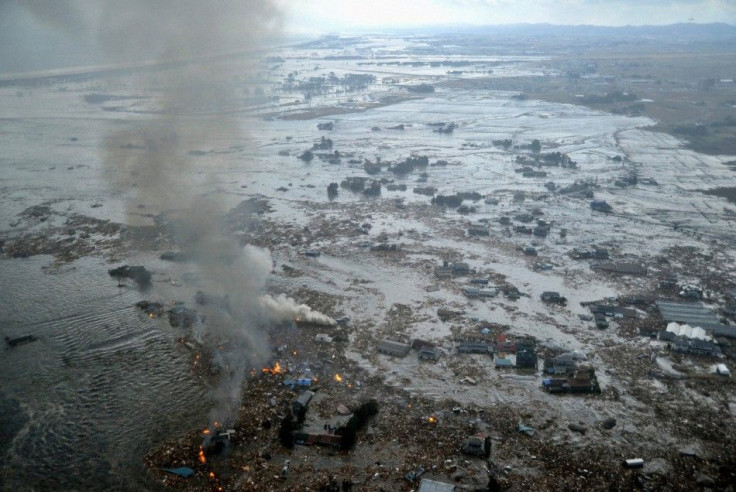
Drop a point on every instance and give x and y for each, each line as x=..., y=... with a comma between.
x=104, y=384
x=98, y=389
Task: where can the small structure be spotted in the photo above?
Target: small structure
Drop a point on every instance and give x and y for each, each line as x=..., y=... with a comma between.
x=578, y=382
x=525, y=353
x=722, y=370
x=503, y=345
x=14, y=342
x=501, y=362
x=475, y=293
x=601, y=206
x=479, y=445
x=511, y=293
x=323, y=338
x=434, y=486
x=430, y=354
x=395, y=349
x=308, y=439
x=296, y=383
x=600, y=321
x=587, y=254
x=551, y=297
x=182, y=471
x=473, y=347
x=688, y=331
x=695, y=346
x=562, y=364
x=299, y=406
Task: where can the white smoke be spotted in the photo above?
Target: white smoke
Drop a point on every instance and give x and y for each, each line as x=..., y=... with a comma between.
x=283, y=308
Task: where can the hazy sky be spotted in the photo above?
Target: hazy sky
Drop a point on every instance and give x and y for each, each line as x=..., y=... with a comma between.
x=340, y=15
x=42, y=34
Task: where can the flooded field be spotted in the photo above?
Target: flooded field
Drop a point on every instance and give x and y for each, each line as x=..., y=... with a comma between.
x=105, y=384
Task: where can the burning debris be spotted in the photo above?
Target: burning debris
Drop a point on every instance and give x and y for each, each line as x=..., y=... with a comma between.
x=276, y=369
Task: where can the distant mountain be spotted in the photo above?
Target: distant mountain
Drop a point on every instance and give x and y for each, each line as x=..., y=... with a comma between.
x=681, y=32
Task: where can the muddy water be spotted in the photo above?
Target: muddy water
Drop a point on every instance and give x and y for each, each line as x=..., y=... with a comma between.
x=101, y=385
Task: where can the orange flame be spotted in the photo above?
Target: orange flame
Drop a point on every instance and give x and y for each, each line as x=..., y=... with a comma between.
x=277, y=369
x=338, y=378
x=202, y=458
x=432, y=420
x=206, y=431
x=212, y=474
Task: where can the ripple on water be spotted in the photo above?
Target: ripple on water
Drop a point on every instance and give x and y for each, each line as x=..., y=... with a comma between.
x=96, y=391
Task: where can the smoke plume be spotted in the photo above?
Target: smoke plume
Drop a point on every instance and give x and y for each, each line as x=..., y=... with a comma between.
x=207, y=54
x=283, y=308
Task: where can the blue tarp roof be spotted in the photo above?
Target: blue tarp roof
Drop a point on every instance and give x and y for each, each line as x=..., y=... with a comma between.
x=182, y=471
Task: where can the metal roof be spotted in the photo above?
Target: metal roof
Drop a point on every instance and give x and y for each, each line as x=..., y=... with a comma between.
x=435, y=486
x=692, y=313
x=695, y=314
x=393, y=347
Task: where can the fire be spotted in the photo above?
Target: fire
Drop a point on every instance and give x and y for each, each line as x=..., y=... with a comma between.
x=206, y=431
x=277, y=369
x=432, y=420
x=338, y=378
x=212, y=474
x=202, y=458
